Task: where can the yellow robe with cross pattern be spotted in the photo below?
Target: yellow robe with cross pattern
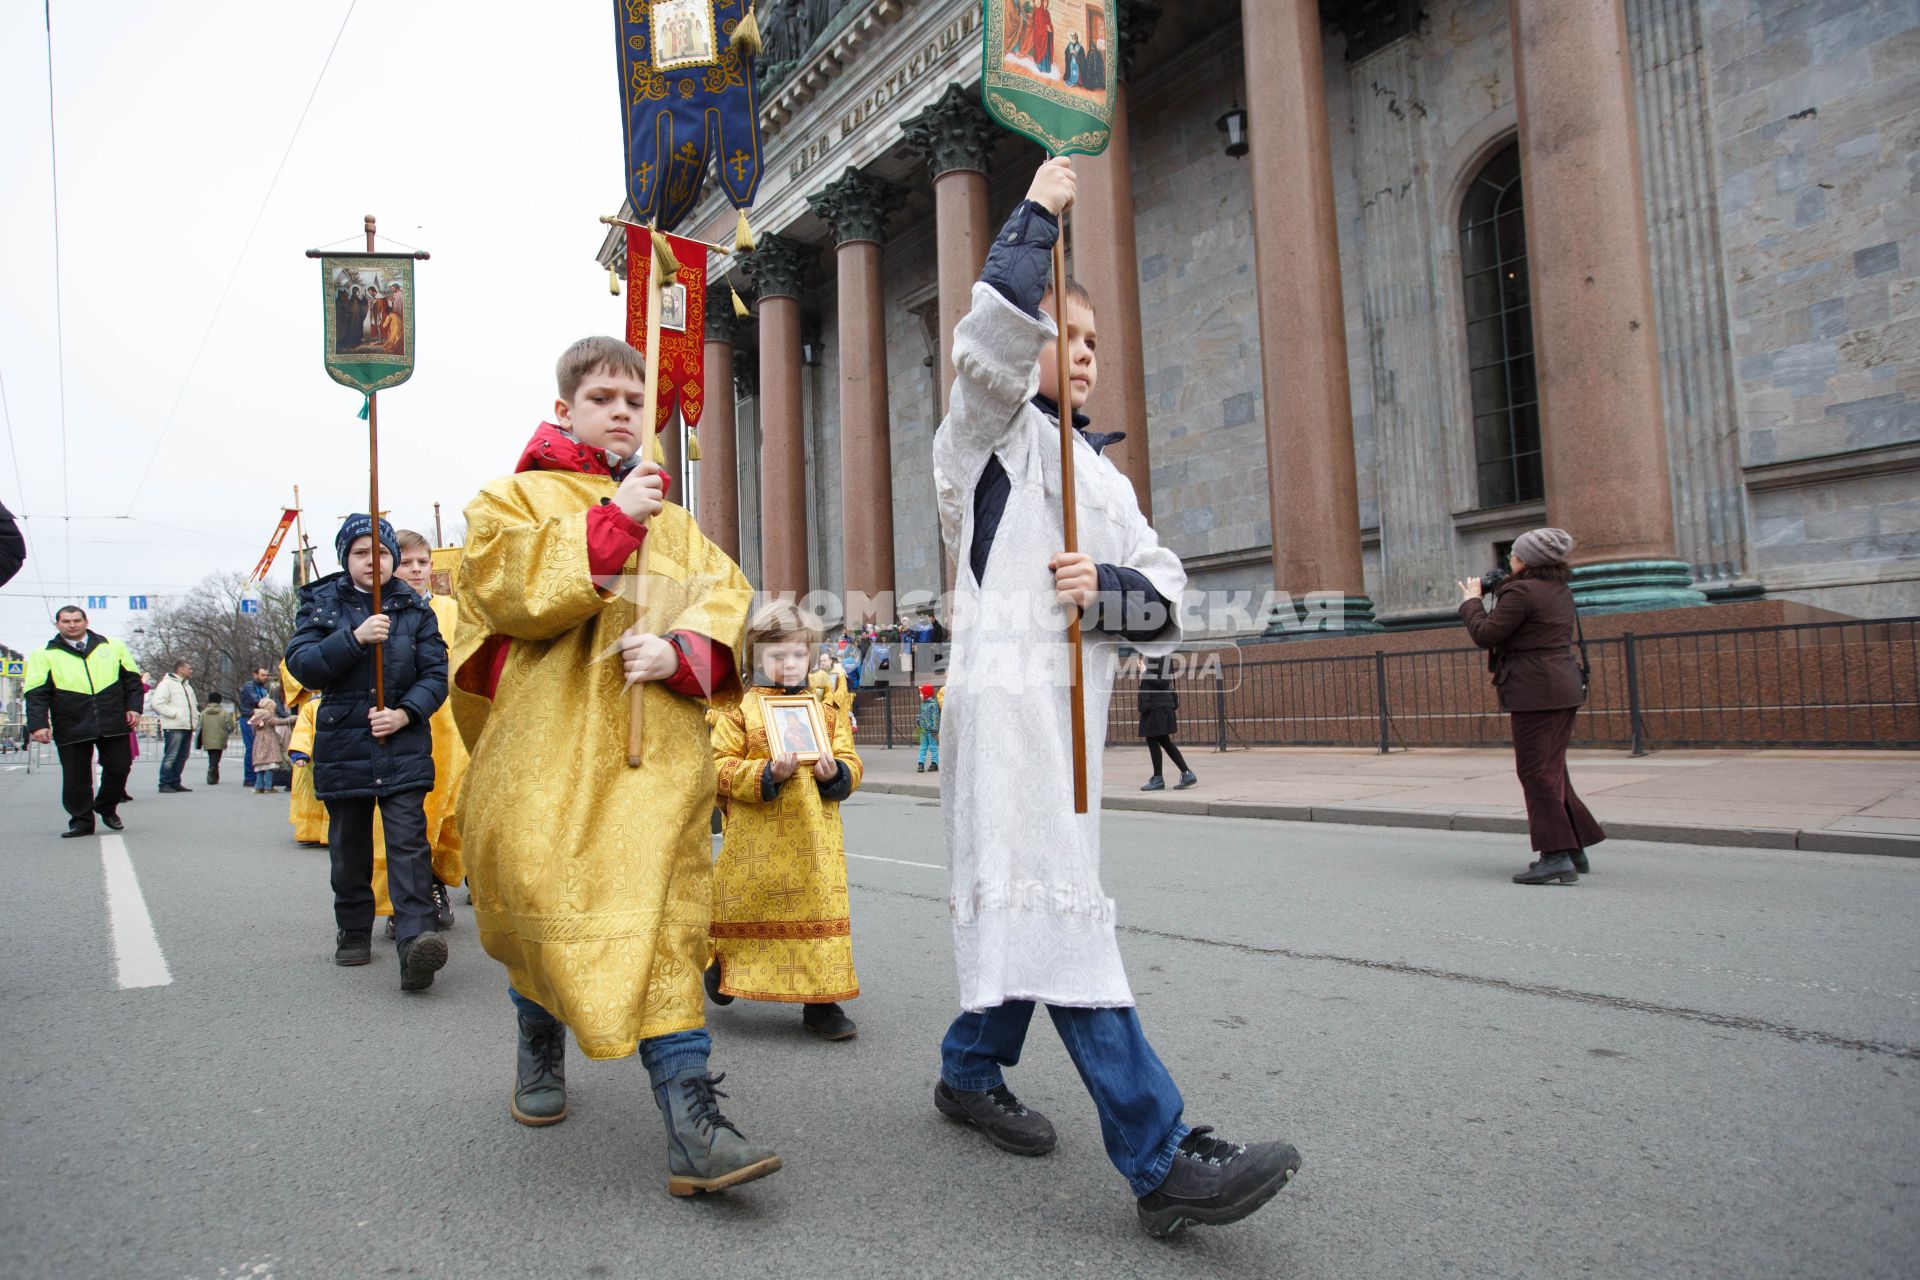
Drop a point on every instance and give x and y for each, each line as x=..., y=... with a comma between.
x=591, y=880
x=781, y=925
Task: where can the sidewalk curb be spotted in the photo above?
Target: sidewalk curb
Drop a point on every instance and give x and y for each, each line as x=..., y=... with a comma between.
x=1808, y=841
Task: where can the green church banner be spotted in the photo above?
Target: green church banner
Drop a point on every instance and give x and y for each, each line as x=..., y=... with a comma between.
x=368, y=300
x=1047, y=70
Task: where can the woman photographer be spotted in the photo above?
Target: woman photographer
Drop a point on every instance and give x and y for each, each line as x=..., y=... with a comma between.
x=1530, y=632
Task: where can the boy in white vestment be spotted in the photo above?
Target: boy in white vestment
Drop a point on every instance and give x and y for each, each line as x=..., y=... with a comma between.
x=1031, y=921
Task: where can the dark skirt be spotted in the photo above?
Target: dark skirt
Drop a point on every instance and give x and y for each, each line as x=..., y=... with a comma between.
x=1557, y=820
x=1159, y=713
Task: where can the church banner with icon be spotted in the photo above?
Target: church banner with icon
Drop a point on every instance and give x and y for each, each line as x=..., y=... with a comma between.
x=368, y=300
x=1047, y=70
x=683, y=323
x=687, y=102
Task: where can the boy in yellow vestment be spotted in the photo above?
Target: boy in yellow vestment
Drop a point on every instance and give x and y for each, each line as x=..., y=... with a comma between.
x=449, y=753
x=592, y=880
x=781, y=925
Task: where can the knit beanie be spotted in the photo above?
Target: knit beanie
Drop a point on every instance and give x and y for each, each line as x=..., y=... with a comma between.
x=1539, y=547
x=359, y=526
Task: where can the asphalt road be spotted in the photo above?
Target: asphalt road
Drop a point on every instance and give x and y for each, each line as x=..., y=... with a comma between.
x=1696, y=1062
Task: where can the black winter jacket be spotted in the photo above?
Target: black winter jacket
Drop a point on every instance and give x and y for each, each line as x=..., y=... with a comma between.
x=325, y=656
x=84, y=694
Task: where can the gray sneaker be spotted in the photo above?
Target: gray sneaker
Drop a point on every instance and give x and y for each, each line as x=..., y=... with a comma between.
x=705, y=1152
x=998, y=1114
x=1213, y=1182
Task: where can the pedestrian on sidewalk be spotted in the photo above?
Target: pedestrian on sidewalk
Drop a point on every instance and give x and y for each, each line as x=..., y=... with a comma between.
x=177, y=705
x=1530, y=637
x=1032, y=923
x=367, y=758
x=928, y=724
x=782, y=929
x=1160, y=720
x=216, y=724
x=84, y=695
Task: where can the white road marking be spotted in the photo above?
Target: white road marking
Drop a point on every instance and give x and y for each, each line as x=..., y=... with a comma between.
x=136, y=950
x=898, y=862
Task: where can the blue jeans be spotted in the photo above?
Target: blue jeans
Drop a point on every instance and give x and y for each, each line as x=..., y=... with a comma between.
x=1138, y=1102
x=682, y=1053
x=246, y=736
x=173, y=756
x=929, y=747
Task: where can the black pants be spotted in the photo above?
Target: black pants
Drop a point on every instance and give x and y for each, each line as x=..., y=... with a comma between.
x=76, y=777
x=403, y=819
x=213, y=764
x=1165, y=743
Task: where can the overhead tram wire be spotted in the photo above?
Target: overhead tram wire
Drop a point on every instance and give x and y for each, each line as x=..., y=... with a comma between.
x=59, y=314
x=239, y=259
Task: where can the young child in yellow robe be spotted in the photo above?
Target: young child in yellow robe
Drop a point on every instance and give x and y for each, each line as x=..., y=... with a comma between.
x=304, y=810
x=592, y=879
x=781, y=924
x=449, y=753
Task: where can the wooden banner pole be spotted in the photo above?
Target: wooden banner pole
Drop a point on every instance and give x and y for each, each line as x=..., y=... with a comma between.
x=1069, y=516
x=650, y=401
x=373, y=513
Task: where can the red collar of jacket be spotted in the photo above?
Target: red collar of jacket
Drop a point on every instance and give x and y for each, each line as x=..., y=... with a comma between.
x=552, y=449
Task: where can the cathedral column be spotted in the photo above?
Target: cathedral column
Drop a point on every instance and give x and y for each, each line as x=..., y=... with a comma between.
x=857, y=207
x=955, y=136
x=1603, y=431
x=1311, y=486
x=776, y=267
x=1106, y=262
x=719, y=513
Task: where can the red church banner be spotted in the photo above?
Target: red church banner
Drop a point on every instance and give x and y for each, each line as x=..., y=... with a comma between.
x=683, y=324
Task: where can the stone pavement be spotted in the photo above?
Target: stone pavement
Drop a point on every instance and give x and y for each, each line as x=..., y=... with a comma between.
x=1830, y=801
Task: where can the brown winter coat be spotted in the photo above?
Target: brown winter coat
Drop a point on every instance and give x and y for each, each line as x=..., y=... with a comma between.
x=1530, y=632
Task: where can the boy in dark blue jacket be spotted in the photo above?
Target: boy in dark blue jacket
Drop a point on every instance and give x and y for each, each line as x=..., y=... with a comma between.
x=366, y=757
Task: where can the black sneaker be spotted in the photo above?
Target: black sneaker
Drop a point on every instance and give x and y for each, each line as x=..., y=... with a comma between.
x=421, y=957
x=353, y=946
x=998, y=1114
x=1214, y=1182
x=442, y=906
x=1552, y=868
x=1155, y=783
x=828, y=1021
x=1187, y=779
x=711, y=980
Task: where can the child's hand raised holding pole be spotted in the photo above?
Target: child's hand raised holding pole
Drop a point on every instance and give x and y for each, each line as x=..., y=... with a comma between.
x=1054, y=185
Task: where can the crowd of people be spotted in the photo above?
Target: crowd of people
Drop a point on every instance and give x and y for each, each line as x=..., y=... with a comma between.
x=484, y=739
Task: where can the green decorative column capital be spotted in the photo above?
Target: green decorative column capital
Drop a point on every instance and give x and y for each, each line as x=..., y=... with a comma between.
x=857, y=206
x=777, y=266
x=954, y=133
x=1634, y=586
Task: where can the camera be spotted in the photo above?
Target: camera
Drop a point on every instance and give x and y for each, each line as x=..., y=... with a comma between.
x=1491, y=582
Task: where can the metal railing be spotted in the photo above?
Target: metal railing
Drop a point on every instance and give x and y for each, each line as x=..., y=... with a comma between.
x=1849, y=684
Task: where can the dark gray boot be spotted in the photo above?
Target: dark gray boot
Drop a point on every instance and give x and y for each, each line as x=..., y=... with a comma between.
x=704, y=1150
x=540, y=1084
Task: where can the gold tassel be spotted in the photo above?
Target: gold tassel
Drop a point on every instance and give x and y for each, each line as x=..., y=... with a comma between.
x=743, y=241
x=739, y=306
x=746, y=37
x=659, y=455
x=664, y=261
x=613, y=282
x=693, y=447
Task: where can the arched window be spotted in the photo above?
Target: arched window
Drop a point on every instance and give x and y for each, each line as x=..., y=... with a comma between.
x=1506, y=409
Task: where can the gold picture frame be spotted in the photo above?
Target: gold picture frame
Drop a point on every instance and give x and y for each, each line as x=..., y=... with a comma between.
x=790, y=717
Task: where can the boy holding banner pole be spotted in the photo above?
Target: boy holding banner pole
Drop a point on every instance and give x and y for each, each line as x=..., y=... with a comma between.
x=1032, y=924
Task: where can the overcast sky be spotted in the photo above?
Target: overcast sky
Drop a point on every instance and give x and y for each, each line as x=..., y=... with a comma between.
x=487, y=134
